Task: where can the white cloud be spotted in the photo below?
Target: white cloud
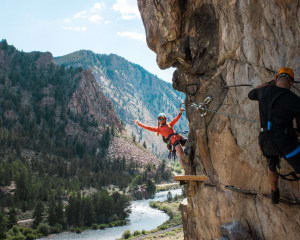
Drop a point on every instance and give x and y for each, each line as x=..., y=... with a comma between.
x=91, y=15
x=95, y=18
x=81, y=14
x=97, y=7
x=75, y=29
x=107, y=22
x=132, y=35
x=127, y=8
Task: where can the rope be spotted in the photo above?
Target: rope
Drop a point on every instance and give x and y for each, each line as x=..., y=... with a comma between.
x=238, y=85
x=251, y=193
x=204, y=109
x=233, y=116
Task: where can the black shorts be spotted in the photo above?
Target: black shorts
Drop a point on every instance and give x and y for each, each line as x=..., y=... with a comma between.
x=293, y=161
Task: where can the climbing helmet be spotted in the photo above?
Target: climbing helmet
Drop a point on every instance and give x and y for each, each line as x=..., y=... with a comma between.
x=161, y=116
x=286, y=71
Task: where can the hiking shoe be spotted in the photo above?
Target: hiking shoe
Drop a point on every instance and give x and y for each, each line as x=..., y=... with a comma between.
x=275, y=196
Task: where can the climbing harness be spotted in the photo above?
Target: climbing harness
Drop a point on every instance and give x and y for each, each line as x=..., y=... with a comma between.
x=203, y=107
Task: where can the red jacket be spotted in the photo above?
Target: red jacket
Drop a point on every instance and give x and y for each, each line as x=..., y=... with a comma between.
x=164, y=130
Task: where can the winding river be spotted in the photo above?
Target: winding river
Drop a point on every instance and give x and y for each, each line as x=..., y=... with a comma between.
x=142, y=217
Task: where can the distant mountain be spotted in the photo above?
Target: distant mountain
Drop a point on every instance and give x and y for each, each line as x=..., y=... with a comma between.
x=135, y=93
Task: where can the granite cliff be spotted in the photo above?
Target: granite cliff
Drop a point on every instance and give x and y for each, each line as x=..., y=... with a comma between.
x=214, y=44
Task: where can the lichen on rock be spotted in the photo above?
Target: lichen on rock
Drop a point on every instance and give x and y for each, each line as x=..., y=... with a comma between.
x=214, y=44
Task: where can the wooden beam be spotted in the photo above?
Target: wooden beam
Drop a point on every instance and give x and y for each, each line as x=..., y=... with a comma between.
x=194, y=178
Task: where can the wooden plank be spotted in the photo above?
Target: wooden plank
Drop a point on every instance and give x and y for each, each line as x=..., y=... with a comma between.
x=196, y=178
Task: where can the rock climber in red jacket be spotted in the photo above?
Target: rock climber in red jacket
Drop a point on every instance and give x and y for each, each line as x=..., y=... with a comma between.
x=169, y=135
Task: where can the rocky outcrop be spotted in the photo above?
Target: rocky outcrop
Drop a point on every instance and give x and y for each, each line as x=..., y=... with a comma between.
x=214, y=44
x=88, y=99
x=124, y=147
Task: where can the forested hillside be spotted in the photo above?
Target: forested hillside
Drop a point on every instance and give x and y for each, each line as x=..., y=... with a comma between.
x=56, y=127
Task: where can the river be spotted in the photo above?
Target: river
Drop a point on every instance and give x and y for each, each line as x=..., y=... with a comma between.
x=142, y=217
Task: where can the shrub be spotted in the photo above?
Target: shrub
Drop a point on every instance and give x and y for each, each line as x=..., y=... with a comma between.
x=19, y=236
x=136, y=233
x=163, y=227
x=26, y=231
x=126, y=234
x=94, y=226
x=43, y=228
x=31, y=236
x=57, y=228
x=144, y=232
x=103, y=226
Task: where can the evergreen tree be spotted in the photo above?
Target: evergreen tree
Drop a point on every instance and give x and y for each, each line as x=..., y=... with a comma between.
x=4, y=44
x=88, y=212
x=150, y=187
x=59, y=213
x=71, y=211
x=12, y=217
x=144, y=145
x=51, y=212
x=3, y=226
x=23, y=185
x=38, y=214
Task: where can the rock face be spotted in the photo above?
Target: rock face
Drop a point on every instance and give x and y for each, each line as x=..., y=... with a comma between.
x=214, y=44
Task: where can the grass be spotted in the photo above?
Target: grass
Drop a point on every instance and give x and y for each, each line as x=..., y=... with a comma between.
x=170, y=208
x=166, y=187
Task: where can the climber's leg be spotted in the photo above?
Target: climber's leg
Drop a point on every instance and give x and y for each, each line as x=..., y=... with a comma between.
x=273, y=162
x=180, y=153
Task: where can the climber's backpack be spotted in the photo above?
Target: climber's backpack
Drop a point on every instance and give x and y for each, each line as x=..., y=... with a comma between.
x=266, y=136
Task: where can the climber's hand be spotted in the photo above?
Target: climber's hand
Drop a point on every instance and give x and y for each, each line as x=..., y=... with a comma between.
x=136, y=121
x=181, y=110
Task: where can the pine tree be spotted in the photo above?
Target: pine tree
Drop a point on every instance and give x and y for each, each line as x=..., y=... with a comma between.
x=59, y=212
x=51, y=212
x=150, y=187
x=3, y=226
x=38, y=214
x=12, y=217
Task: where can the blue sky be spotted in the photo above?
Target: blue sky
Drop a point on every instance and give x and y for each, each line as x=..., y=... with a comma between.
x=65, y=26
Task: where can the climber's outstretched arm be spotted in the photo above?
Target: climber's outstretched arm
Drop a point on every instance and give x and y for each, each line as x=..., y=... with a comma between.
x=152, y=129
x=175, y=120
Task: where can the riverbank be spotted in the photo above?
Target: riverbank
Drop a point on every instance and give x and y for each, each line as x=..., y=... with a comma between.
x=174, y=233
x=169, y=230
x=167, y=186
x=141, y=217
